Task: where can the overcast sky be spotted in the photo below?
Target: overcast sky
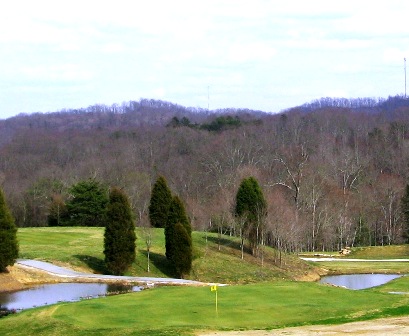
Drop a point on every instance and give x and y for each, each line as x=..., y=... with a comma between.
x=259, y=54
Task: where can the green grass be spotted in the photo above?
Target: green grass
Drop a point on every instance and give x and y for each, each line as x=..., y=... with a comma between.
x=370, y=252
x=272, y=303
x=400, y=285
x=364, y=267
x=182, y=310
x=81, y=247
x=381, y=252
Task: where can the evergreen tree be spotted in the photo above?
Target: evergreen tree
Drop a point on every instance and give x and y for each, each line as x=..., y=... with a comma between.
x=119, y=238
x=88, y=204
x=58, y=213
x=161, y=198
x=182, y=253
x=405, y=212
x=251, y=206
x=176, y=214
x=8, y=236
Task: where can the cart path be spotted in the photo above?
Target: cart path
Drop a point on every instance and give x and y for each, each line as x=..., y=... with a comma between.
x=63, y=272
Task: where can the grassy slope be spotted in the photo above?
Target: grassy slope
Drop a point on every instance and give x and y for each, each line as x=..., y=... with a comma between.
x=372, y=252
x=381, y=252
x=83, y=248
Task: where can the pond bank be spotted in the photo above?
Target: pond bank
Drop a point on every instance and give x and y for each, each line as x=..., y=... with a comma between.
x=33, y=272
x=18, y=278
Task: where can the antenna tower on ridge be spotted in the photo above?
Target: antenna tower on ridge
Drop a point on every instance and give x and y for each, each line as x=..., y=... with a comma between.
x=208, y=98
x=405, y=74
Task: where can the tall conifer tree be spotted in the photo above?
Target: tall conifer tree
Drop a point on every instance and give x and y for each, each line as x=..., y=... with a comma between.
x=251, y=206
x=161, y=198
x=8, y=236
x=182, y=252
x=176, y=214
x=119, y=238
x=178, y=238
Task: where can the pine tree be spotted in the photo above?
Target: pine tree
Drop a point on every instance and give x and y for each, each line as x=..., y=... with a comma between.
x=161, y=198
x=119, y=238
x=176, y=214
x=8, y=236
x=182, y=253
x=251, y=207
x=88, y=204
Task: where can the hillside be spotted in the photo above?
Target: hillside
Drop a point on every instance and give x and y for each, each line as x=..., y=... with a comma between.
x=82, y=249
x=333, y=174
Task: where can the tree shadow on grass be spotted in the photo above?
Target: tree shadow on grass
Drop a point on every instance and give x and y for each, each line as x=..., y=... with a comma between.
x=229, y=243
x=161, y=263
x=96, y=264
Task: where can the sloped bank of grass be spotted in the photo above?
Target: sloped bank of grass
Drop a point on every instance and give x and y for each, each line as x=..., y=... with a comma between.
x=381, y=252
x=215, y=260
x=365, y=267
x=383, y=255
x=399, y=285
x=185, y=310
x=367, y=252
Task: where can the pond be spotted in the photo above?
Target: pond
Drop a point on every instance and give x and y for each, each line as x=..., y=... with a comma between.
x=61, y=292
x=359, y=281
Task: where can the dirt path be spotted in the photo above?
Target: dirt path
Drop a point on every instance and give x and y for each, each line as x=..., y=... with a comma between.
x=380, y=327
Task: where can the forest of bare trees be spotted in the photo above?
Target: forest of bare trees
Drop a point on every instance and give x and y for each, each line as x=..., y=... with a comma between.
x=333, y=172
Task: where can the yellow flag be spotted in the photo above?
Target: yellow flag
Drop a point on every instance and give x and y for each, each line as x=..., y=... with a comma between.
x=213, y=288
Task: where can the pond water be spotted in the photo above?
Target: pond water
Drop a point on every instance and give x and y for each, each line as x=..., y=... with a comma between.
x=62, y=292
x=359, y=281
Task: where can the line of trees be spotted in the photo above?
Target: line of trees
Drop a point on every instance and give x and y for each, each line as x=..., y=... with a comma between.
x=89, y=203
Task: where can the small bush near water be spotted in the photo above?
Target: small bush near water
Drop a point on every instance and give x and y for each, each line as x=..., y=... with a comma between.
x=4, y=311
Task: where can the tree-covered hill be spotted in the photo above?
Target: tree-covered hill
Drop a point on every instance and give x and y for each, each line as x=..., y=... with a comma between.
x=333, y=175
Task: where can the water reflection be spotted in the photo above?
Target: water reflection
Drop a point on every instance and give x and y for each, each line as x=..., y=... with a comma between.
x=62, y=292
x=359, y=281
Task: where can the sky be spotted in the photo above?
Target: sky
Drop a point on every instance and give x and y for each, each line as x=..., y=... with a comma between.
x=261, y=54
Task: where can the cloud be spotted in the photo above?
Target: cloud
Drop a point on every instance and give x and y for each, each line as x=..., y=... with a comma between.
x=263, y=54
x=66, y=72
x=395, y=55
x=253, y=51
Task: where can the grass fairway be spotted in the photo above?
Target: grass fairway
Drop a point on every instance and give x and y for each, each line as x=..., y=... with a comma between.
x=272, y=303
x=184, y=310
x=374, y=253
